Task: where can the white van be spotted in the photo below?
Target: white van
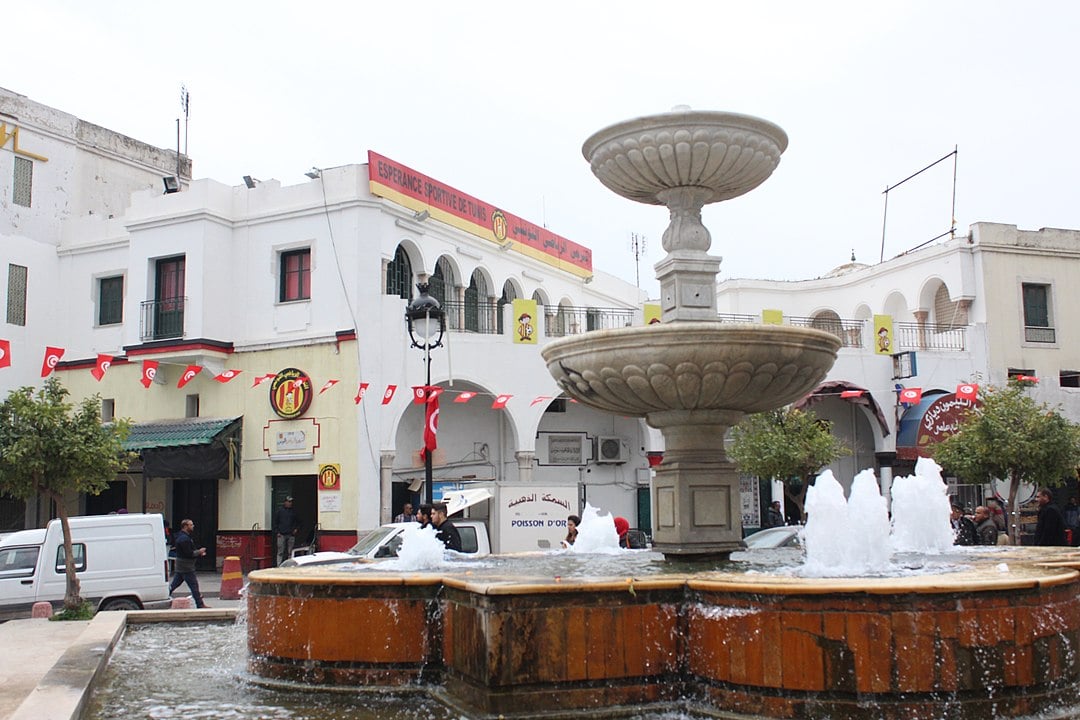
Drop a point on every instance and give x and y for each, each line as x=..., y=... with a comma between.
x=121, y=562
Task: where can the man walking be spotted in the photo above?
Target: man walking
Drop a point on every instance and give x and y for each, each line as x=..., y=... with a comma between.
x=184, y=567
x=286, y=527
x=1050, y=528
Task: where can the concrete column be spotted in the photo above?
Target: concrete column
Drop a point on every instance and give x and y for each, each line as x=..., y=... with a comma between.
x=525, y=461
x=386, y=493
x=921, y=317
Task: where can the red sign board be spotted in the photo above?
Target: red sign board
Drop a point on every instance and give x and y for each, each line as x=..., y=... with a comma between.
x=416, y=191
x=940, y=420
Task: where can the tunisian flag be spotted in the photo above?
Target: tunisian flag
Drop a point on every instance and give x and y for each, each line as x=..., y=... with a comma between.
x=149, y=372
x=102, y=367
x=967, y=391
x=431, y=419
x=52, y=357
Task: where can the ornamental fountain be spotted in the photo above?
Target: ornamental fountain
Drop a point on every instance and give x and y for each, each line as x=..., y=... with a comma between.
x=996, y=638
x=691, y=376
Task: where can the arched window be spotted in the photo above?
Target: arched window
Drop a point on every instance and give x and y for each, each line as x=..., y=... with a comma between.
x=399, y=275
x=476, y=307
x=828, y=321
x=508, y=296
x=439, y=280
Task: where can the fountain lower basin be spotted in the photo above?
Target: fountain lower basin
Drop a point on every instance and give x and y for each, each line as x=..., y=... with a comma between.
x=974, y=643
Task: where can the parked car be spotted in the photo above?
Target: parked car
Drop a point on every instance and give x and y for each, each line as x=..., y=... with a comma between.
x=783, y=536
x=120, y=561
x=384, y=542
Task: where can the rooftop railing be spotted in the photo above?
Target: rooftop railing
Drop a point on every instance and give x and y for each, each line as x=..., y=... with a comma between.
x=913, y=336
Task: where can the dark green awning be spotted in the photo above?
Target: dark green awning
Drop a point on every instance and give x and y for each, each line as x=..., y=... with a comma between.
x=176, y=433
x=191, y=448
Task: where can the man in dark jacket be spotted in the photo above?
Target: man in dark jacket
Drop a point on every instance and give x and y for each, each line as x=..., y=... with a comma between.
x=1050, y=529
x=286, y=526
x=184, y=567
x=444, y=529
x=963, y=527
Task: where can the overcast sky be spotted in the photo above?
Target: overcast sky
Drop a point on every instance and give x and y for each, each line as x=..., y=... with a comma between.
x=496, y=98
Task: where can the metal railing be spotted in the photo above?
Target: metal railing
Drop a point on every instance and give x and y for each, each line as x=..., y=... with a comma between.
x=850, y=332
x=162, y=319
x=913, y=336
x=480, y=317
x=563, y=320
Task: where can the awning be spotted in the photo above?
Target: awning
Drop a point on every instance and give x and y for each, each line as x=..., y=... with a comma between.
x=929, y=421
x=190, y=448
x=833, y=388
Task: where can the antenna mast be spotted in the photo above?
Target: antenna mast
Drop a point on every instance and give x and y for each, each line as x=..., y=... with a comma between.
x=185, y=105
x=637, y=246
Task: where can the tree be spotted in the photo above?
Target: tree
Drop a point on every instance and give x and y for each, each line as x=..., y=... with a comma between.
x=1011, y=437
x=49, y=448
x=789, y=444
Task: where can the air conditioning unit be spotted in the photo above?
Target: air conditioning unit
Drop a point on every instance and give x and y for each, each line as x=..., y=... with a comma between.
x=611, y=450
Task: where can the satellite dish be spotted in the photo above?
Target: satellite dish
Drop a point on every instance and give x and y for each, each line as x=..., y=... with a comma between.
x=1024, y=494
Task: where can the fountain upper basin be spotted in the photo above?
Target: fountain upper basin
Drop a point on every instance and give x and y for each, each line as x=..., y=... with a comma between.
x=700, y=368
x=728, y=154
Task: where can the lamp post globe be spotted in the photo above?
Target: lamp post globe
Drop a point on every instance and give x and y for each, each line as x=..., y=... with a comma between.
x=426, y=321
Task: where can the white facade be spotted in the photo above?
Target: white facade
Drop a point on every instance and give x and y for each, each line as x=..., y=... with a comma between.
x=231, y=243
x=959, y=305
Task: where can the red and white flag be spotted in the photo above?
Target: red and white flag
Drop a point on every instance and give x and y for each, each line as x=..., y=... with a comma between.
x=846, y=394
x=226, y=376
x=910, y=396
x=1027, y=378
x=102, y=367
x=360, y=393
x=389, y=394
x=539, y=399
x=262, y=378
x=5, y=353
x=465, y=396
x=329, y=384
x=149, y=372
x=419, y=394
x=431, y=421
x=500, y=402
x=189, y=373
x=52, y=357
x=967, y=391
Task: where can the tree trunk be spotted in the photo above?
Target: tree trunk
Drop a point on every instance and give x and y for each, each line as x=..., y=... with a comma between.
x=1012, y=510
x=72, y=600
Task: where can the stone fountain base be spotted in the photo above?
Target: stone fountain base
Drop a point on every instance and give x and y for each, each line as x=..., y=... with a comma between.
x=974, y=644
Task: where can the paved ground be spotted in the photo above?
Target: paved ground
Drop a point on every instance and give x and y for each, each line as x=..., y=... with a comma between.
x=30, y=649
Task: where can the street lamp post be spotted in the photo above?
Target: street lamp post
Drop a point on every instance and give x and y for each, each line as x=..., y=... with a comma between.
x=426, y=321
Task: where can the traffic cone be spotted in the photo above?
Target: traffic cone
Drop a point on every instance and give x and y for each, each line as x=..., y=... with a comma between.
x=232, y=579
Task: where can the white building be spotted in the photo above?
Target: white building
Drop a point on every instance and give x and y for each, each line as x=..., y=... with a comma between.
x=307, y=285
x=976, y=309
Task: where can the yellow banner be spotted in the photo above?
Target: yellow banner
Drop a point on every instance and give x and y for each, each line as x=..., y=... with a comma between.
x=772, y=317
x=883, y=334
x=652, y=313
x=524, y=321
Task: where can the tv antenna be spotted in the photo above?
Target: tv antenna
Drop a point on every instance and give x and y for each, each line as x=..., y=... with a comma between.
x=637, y=246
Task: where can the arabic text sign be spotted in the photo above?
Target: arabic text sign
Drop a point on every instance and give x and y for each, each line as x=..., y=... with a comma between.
x=416, y=191
x=532, y=518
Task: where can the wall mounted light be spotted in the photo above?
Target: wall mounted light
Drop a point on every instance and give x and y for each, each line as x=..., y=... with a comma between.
x=421, y=216
x=172, y=184
x=314, y=173
x=250, y=182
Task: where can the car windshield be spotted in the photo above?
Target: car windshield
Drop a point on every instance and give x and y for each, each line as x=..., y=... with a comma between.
x=370, y=541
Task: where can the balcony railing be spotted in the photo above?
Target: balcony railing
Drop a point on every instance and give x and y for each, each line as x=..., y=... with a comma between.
x=162, y=319
x=1039, y=334
x=850, y=332
x=481, y=317
x=913, y=336
x=563, y=320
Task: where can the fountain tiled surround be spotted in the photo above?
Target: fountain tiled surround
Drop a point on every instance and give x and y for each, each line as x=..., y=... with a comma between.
x=972, y=644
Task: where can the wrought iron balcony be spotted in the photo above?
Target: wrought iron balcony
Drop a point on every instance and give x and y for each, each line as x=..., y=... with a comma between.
x=162, y=319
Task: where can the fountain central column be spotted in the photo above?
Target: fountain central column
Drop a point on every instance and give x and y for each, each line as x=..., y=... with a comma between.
x=691, y=376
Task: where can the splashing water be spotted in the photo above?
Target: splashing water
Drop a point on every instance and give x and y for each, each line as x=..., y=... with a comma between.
x=846, y=536
x=596, y=533
x=920, y=509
